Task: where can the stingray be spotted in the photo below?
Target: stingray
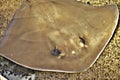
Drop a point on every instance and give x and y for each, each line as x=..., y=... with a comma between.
x=58, y=35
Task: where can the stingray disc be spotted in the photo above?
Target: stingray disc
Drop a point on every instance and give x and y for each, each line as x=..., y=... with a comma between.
x=58, y=35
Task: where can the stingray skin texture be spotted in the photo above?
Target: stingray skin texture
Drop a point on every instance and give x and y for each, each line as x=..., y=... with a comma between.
x=58, y=35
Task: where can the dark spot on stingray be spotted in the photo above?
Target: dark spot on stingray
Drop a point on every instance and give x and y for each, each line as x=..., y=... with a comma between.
x=82, y=40
x=29, y=79
x=55, y=52
x=88, y=2
x=28, y=1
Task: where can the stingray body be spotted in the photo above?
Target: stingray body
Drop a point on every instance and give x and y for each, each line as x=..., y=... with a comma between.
x=58, y=35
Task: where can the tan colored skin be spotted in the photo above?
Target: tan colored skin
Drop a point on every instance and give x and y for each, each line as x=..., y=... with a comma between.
x=79, y=31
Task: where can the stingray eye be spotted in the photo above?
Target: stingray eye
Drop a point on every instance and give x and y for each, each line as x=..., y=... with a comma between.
x=82, y=40
x=55, y=52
